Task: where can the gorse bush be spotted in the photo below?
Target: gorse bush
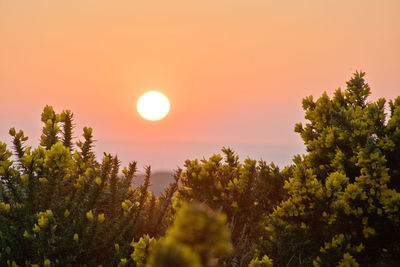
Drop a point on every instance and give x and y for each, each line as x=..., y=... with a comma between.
x=246, y=192
x=61, y=207
x=344, y=195
x=337, y=205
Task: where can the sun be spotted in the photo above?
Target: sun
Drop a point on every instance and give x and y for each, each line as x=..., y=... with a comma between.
x=153, y=106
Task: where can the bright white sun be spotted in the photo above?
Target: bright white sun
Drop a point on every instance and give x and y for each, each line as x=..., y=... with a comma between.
x=153, y=106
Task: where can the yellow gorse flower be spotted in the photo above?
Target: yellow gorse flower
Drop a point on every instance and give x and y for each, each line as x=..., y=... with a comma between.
x=123, y=261
x=89, y=215
x=116, y=246
x=26, y=234
x=42, y=221
x=66, y=213
x=76, y=237
x=101, y=217
x=98, y=181
x=124, y=206
x=36, y=228
x=43, y=180
x=47, y=263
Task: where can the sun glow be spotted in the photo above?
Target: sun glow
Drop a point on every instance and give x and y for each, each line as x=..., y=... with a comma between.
x=153, y=106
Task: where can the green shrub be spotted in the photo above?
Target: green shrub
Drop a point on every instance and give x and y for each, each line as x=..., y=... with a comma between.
x=344, y=199
x=59, y=206
x=338, y=205
x=246, y=192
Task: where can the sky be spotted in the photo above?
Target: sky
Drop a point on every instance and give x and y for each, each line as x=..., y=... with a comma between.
x=235, y=71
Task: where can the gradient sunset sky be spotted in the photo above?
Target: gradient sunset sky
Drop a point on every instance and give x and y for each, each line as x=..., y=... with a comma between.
x=234, y=71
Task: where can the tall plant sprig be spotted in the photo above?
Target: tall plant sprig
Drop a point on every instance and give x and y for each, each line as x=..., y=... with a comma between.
x=67, y=118
x=51, y=129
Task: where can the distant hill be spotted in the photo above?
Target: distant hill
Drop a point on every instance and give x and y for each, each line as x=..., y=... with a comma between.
x=158, y=181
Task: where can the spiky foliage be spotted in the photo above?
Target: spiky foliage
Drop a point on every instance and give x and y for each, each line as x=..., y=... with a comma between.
x=344, y=199
x=338, y=205
x=66, y=118
x=61, y=207
x=51, y=129
x=246, y=192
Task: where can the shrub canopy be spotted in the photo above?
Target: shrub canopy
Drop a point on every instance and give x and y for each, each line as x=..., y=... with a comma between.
x=337, y=205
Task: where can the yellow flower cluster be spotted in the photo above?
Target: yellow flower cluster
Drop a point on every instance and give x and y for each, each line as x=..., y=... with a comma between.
x=264, y=262
x=126, y=204
x=100, y=217
x=5, y=206
x=43, y=218
x=141, y=250
x=58, y=158
x=79, y=181
x=348, y=261
x=336, y=241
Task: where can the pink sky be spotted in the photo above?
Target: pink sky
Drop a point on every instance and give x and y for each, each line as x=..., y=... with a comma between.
x=234, y=71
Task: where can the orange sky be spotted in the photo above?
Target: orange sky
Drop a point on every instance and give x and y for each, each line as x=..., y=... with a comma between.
x=235, y=71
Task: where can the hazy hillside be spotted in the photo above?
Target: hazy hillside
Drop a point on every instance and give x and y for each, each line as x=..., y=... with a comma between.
x=158, y=181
